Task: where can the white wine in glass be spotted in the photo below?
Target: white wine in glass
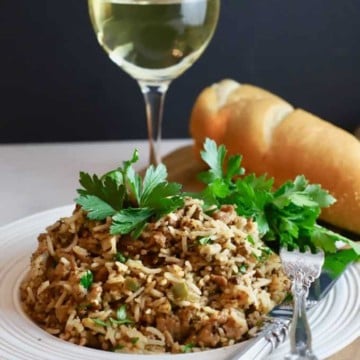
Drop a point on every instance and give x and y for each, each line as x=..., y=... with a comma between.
x=154, y=41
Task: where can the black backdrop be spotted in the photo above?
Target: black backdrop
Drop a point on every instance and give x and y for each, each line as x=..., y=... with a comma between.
x=57, y=84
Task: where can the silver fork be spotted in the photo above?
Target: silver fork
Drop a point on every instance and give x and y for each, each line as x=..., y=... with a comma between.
x=302, y=268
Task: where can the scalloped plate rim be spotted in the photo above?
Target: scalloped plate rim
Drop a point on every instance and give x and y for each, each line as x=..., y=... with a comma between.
x=37, y=223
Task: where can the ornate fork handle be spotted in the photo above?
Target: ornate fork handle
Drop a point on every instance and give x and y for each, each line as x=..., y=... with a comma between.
x=300, y=334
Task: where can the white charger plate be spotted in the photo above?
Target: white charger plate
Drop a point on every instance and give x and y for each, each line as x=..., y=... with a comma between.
x=335, y=322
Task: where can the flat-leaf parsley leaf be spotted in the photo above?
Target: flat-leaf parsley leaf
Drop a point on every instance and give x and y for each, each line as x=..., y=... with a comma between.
x=286, y=216
x=127, y=198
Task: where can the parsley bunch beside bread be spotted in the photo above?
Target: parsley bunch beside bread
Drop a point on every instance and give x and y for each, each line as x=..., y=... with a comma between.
x=282, y=142
x=286, y=216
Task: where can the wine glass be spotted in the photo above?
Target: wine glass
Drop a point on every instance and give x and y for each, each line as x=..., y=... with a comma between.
x=154, y=41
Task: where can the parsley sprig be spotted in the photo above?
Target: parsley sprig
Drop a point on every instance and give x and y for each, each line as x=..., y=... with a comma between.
x=127, y=198
x=286, y=216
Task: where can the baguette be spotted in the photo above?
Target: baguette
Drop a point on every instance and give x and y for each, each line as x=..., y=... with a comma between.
x=213, y=108
x=283, y=142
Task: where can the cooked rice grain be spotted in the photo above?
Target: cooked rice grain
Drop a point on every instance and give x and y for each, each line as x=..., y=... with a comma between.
x=175, y=288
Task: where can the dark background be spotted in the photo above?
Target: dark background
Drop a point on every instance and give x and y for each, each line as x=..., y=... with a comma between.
x=57, y=84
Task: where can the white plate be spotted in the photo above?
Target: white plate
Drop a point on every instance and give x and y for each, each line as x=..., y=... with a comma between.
x=335, y=322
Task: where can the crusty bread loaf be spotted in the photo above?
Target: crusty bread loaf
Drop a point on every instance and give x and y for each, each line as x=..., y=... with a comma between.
x=213, y=108
x=276, y=139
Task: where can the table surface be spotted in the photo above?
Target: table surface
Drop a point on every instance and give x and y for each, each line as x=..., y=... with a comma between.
x=37, y=177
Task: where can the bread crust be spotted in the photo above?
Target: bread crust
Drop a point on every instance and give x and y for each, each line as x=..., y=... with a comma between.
x=252, y=136
x=212, y=109
x=325, y=154
x=250, y=92
x=205, y=121
x=282, y=142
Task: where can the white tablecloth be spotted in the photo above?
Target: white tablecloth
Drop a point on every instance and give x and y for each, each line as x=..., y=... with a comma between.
x=37, y=177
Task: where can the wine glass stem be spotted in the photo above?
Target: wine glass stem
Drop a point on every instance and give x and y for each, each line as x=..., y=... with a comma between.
x=154, y=96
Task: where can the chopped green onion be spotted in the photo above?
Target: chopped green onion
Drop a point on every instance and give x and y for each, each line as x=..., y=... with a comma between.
x=100, y=322
x=205, y=240
x=120, y=257
x=87, y=279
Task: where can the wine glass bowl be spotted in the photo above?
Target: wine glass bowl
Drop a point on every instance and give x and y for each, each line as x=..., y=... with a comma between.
x=154, y=41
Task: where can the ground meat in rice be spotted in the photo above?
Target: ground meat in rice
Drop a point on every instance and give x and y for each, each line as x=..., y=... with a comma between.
x=190, y=279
